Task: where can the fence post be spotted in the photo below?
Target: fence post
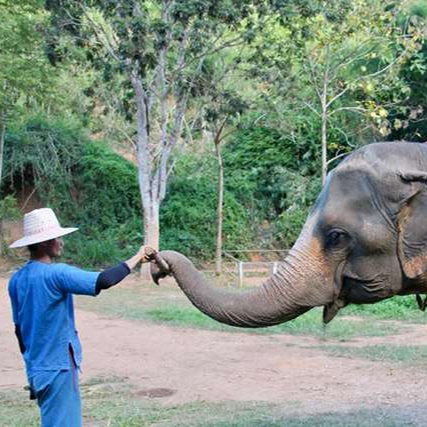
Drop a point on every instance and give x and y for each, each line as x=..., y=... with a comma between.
x=240, y=268
x=274, y=267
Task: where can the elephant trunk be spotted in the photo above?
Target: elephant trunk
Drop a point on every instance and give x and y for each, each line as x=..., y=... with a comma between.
x=296, y=288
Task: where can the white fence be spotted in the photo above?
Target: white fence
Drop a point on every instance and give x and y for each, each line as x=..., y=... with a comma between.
x=269, y=266
x=250, y=266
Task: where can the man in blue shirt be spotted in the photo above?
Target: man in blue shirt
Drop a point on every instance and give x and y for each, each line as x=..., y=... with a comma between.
x=41, y=294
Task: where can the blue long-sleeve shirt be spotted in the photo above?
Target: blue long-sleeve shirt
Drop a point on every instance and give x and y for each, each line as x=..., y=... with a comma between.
x=43, y=310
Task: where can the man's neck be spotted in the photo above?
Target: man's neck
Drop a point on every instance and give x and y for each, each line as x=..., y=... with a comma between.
x=46, y=259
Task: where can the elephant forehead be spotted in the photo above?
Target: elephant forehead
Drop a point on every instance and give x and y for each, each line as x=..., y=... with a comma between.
x=350, y=198
x=344, y=194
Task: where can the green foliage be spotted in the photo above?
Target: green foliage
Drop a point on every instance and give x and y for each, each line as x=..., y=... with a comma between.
x=23, y=67
x=301, y=193
x=259, y=147
x=267, y=77
x=288, y=226
x=93, y=188
x=188, y=215
x=9, y=209
x=84, y=182
x=95, y=247
x=107, y=205
x=254, y=155
x=342, y=60
x=402, y=308
x=408, y=119
x=273, y=176
x=106, y=188
x=43, y=151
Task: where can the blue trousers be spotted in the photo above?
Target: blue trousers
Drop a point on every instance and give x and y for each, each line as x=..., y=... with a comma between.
x=58, y=397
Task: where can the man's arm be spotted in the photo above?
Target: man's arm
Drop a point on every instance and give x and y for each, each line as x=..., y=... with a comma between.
x=114, y=275
x=111, y=277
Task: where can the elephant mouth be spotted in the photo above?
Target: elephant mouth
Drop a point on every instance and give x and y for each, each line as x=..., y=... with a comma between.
x=357, y=291
x=365, y=291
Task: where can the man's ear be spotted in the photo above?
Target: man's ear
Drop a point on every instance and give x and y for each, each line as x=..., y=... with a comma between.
x=412, y=244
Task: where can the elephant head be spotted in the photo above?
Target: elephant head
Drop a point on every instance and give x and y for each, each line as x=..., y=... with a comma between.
x=365, y=240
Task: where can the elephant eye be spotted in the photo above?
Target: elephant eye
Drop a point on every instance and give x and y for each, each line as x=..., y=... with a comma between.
x=337, y=238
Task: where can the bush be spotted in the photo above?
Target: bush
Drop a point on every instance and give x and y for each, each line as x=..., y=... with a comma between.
x=42, y=152
x=8, y=211
x=106, y=203
x=105, y=188
x=301, y=194
x=91, y=187
x=276, y=175
x=189, y=212
x=86, y=183
x=97, y=190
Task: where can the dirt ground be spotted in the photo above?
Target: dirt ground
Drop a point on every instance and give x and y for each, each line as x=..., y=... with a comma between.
x=188, y=365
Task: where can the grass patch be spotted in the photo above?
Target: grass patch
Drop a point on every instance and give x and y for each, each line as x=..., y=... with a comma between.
x=16, y=410
x=169, y=306
x=397, y=308
x=407, y=355
x=116, y=404
x=309, y=324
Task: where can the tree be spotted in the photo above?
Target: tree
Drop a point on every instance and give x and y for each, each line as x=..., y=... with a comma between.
x=220, y=102
x=160, y=47
x=23, y=68
x=338, y=59
x=8, y=211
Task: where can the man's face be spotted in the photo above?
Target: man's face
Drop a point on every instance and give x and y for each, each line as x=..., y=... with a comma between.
x=54, y=247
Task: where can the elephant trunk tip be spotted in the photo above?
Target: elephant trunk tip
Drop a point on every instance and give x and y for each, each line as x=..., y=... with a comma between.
x=159, y=267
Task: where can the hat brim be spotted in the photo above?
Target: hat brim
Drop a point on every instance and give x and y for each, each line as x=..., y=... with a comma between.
x=42, y=237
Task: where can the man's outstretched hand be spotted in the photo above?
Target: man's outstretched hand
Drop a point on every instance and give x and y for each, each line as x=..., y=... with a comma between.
x=146, y=253
x=160, y=267
x=143, y=255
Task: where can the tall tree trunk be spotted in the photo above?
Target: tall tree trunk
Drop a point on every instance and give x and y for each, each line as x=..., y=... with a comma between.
x=151, y=235
x=149, y=198
x=151, y=226
x=218, y=252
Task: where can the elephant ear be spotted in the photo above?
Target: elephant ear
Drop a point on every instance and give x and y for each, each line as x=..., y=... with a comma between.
x=412, y=222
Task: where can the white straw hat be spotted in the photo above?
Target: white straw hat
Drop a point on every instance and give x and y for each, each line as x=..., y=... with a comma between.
x=40, y=225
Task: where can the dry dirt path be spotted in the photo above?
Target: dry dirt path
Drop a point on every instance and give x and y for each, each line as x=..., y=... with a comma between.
x=217, y=366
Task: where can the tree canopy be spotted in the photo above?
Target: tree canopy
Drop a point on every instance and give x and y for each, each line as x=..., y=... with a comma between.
x=129, y=97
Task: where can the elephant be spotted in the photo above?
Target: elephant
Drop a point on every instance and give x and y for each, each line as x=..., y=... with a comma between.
x=364, y=240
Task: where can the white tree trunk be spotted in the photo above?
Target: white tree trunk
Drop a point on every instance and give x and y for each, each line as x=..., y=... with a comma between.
x=152, y=226
x=149, y=199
